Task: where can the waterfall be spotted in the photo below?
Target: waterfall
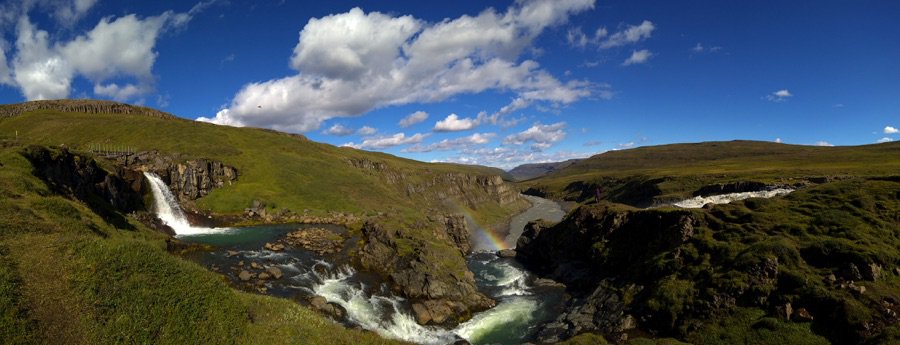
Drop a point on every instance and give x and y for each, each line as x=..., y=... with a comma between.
x=169, y=212
x=700, y=201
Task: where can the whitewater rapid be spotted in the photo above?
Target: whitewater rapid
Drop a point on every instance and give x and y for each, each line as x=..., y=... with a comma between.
x=700, y=201
x=169, y=212
x=386, y=314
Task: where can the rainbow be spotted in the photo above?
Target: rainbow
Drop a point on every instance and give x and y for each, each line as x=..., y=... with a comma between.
x=485, y=238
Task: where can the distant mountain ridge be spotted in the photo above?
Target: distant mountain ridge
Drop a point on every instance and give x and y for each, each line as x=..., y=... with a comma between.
x=535, y=170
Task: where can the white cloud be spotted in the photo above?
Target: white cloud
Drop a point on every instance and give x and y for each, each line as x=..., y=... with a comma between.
x=823, y=143
x=115, y=48
x=508, y=158
x=454, y=124
x=119, y=93
x=542, y=136
x=577, y=38
x=383, y=142
x=778, y=140
x=413, y=118
x=638, y=57
x=627, y=145
x=338, y=130
x=885, y=140
x=779, y=96
x=453, y=144
x=353, y=62
x=699, y=48
x=890, y=130
x=69, y=12
x=632, y=34
x=366, y=130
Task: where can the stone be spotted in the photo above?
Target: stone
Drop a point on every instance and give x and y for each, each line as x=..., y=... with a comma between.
x=423, y=317
x=254, y=265
x=803, y=315
x=544, y=282
x=232, y=253
x=245, y=276
x=263, y=276
x=872, y=272
x=241, y=263
x=831, y=279
x=785, y=311
x=332, y=309
x=857, y=288
x=275, y=272
x=506, y=253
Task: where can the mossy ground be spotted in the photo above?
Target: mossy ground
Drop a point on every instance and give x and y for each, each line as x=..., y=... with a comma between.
x=67, y=276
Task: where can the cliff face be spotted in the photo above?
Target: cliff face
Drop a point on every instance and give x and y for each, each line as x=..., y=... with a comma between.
x=189, y=179
x=433, y=274
x=79, y=177
x=81, y=106
x=467, y=188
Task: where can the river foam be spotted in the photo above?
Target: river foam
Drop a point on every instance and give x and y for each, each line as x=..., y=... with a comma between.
x=700, y=201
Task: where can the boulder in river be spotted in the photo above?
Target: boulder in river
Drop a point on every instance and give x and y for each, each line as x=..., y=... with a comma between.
x=275, y=272
x=506, y=253
x=245, y=276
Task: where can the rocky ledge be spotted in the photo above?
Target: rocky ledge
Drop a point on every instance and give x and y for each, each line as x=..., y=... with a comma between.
x=430, y=273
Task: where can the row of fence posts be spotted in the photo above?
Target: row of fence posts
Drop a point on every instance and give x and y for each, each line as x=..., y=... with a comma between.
x=112, y=149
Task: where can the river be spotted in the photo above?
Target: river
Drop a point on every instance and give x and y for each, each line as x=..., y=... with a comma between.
x=368, y=301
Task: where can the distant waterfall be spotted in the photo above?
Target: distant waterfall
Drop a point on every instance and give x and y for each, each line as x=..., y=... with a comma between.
x=700, y=201
x=169, y=212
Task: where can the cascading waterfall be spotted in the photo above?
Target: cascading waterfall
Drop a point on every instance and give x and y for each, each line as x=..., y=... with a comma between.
x=169, y=212
x=700, y=201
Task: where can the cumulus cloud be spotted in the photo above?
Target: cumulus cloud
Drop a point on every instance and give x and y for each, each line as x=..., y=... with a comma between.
x=778, y=140
x=509, y=157
x=453, y=144
x=454, y=124
x=541, y=136
x=632, y=34
x=115, y=48
x=890, y=130
x=353, y=62
x=413, y=118
x=366, y=130
x=383, y=142
x=638, y=57
x=338, y=130
x=823, y=143
x=885, y=140
x=779, y=96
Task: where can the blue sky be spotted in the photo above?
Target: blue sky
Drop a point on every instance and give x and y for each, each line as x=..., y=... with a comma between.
x=502, y=82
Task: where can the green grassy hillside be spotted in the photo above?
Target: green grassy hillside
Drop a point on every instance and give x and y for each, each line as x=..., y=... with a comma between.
x=675, y=171
x=67, y=276
x=286, y=171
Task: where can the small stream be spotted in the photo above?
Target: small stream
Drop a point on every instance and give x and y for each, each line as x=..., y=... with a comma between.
x=368, y=301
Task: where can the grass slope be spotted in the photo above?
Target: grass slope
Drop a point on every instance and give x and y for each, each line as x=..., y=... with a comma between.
x=286, y=171
x=66, y=276
x=674, y=171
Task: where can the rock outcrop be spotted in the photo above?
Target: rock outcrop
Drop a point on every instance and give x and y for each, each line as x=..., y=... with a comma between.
x=433, y=276
x=86, y=106
x=80, y=177
x=472, y=190
x=598, y=252
x=188, y=179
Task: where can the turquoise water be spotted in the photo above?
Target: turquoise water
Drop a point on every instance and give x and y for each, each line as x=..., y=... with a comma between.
x=369, y=301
